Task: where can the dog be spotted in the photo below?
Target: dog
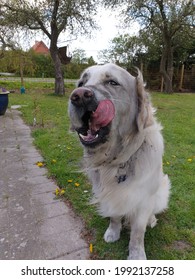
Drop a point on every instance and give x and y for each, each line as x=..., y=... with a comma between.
x=123, y=148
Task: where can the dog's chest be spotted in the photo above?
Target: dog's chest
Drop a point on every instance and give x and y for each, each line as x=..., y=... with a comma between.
x=109, y=177
x=113, y=191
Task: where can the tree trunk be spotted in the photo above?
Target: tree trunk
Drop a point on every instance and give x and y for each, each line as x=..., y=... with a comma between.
x=166, y=67
x=59, y=76
x=168, y=85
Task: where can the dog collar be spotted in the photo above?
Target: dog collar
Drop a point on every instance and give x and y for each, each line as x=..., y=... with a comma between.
x=122, y=172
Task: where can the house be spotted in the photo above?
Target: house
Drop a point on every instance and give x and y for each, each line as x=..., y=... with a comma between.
x=40, y=48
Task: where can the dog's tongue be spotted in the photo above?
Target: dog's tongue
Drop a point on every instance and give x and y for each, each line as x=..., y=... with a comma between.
x=103, y=115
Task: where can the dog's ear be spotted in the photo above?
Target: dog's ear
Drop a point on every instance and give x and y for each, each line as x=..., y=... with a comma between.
x=144, y=108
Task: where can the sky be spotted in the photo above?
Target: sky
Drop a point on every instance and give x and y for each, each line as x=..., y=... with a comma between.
x=109, y=29
x=109, y=23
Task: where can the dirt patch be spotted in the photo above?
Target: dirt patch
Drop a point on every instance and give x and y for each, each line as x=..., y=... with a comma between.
x=181, y=245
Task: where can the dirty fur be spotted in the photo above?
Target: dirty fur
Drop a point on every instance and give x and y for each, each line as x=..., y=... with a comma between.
x=126, y=171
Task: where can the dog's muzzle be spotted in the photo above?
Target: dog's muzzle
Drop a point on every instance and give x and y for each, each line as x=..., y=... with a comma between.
x=94, y=115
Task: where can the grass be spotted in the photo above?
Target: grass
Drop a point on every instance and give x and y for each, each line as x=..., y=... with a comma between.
x=174, y=236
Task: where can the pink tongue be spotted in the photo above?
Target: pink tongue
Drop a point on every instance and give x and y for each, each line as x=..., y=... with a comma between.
x=103, y=115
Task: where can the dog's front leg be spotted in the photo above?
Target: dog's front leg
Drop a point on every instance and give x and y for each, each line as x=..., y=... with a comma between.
x=112, y=233
x=136, y=244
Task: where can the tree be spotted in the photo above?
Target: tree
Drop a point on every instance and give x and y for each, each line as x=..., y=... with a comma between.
x=9, y=39
x=43, y=65
x=168, y=19
x=79, y=56
x=5, y=40
x=79, y=62
x=124, y=50
x=52, y=17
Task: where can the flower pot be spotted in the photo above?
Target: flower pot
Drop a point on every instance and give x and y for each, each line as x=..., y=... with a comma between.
x=3, y=102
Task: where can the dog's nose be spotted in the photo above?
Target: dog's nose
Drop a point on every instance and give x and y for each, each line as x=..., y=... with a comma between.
x=81, y=96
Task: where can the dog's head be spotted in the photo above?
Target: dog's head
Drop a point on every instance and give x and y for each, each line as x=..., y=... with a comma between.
x=108, y=102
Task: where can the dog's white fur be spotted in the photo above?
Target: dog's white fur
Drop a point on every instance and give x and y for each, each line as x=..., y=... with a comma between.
x=134, y=149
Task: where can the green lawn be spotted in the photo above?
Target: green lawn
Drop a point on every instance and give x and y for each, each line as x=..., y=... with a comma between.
x=174, y=236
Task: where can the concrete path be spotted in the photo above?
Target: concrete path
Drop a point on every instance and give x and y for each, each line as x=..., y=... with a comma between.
x=33, y=225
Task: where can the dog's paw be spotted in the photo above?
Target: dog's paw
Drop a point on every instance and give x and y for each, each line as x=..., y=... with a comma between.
x=137, y=257
x=137, y=254
x=111, y=235
x=152, y=221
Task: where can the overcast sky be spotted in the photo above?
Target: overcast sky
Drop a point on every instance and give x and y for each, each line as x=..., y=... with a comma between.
x=109, y=23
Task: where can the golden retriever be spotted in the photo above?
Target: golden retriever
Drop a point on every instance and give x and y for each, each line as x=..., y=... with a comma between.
x=123, y=148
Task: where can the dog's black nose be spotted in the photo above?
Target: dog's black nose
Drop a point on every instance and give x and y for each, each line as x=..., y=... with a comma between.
x=81, y=96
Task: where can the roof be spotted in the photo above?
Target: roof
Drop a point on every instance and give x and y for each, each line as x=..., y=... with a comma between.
x=40, y=47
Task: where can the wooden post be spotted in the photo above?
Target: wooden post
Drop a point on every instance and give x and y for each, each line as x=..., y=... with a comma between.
x=181, y=78
x=21, y=70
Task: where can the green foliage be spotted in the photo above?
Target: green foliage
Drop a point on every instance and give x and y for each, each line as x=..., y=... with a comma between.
x=73, y=70
x=78, y=63
x=174, y=235
x=169, y=24
x=41, y=66
x=125, y=50
x=130, y=50
x=79, y=56
x=52, y=18
x=13, y=60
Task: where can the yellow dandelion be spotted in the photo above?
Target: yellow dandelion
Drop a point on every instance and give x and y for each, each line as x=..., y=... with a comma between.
x=40, y=164
x=189, y=159
x=69, y=181
x=54, y=161
x=62, y=192
x=77, y=184
x=57, y=191
x=91, y=248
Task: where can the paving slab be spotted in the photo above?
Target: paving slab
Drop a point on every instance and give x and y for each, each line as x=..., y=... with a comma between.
x=33, y=224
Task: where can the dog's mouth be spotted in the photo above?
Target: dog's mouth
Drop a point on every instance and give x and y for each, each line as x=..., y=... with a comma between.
x=96, y=124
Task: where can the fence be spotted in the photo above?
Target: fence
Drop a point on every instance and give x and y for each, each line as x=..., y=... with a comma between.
x=183, y=79
x=36, y=80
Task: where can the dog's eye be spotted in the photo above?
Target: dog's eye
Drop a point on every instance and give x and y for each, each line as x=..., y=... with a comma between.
x=80, y=84
x=113, y=83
